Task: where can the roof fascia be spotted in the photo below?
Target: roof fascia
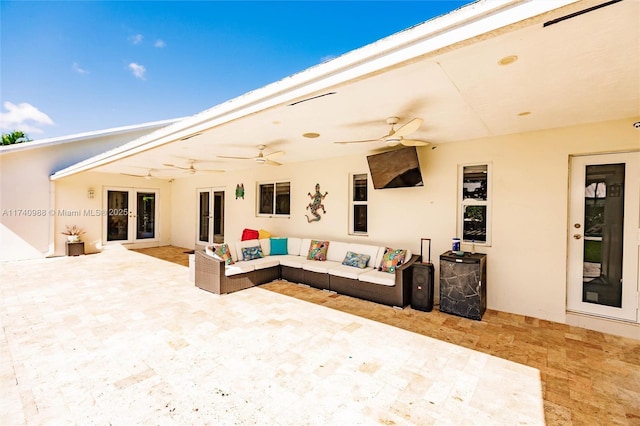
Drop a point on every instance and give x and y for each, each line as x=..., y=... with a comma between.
x=86, y=136
x=459, y=25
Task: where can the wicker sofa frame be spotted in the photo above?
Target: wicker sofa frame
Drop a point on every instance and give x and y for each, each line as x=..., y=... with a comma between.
x=210, y=276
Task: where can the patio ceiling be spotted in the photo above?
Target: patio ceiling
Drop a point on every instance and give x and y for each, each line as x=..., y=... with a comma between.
x=580, y=70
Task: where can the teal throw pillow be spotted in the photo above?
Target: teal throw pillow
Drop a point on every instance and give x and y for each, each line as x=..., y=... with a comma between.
x=278, y=246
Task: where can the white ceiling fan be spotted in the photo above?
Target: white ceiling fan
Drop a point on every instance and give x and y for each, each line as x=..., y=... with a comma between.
x=149, y=175
x=260, y=158
x=192, y=169
x=396, y=137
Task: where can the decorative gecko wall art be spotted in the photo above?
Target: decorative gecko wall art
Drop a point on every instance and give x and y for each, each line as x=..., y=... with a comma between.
x=316, y=204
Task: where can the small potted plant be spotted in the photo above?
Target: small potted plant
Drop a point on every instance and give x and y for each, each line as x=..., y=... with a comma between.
x=73, y=233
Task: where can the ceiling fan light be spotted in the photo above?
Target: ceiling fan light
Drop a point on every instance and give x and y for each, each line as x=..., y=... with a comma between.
x=393, y=141
x=261, y=160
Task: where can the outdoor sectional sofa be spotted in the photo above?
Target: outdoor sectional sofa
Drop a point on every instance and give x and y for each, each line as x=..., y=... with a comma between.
x=289, y=261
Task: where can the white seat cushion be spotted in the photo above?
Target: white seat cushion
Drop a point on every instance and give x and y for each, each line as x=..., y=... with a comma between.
x=345, y=271
x=292, y=261
x=322, y=267
x=238, y=268
x=377, y=277
x=264, y=262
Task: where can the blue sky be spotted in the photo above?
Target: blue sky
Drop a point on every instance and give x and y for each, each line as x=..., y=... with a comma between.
x=76, y=66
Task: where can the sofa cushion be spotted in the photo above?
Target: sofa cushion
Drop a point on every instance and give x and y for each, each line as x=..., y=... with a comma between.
x=347, y=271
x=304, y=247
x=337, y=251
x=238, y=268
x=293, y=245
x=278, y=246
x=264, y=262
x=319, y=267
x=318, y=250
x=356, y=260
x=250, y=253
x=392, y=259
x=265, y=245
x=293, y=261
x=376, y=277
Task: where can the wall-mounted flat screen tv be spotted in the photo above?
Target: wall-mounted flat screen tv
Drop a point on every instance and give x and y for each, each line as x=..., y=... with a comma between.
x=395, y=169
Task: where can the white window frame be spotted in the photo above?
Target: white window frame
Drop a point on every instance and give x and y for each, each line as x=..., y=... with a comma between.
x=273, y=207
x=353, y=203
x=463, y=203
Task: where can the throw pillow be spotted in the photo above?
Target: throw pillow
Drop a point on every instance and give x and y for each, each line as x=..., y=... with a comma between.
x=318, y=250
x=250, y=253
x=221, y=252
x=391, y=259
x=262, y=234
x=278, y=246
x=250, y=234
x=356, y=260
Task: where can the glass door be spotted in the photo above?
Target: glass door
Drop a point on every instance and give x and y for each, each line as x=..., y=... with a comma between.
x=131, y=215
x=603, y=235
x=210, y=221
x=117, y=213
x=145, y=215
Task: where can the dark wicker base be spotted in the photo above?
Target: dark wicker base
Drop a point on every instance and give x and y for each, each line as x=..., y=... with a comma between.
x=210, y=276
x=316, y=279
x=293, y=275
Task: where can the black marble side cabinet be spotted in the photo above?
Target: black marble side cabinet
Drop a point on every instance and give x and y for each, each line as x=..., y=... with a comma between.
x=463, y=284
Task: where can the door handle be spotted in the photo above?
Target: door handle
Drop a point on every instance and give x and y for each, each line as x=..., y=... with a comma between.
x=577, y=236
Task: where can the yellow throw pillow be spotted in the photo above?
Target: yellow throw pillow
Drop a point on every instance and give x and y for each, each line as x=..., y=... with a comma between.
x=264, y=234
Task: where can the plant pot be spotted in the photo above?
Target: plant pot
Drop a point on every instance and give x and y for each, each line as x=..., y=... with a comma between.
x=73, y=238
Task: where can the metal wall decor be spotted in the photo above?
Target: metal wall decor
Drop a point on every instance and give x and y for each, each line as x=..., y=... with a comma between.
x=240, y=191
x=316, y=204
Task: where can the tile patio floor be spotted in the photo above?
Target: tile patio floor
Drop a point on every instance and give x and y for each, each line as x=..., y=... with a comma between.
x=123, y=338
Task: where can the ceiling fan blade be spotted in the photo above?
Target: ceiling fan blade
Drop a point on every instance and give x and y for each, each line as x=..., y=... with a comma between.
x=129, y=174
x=210, y=170
x=235, y=158
x=362, y=141
x=272, y=163
x=176, y=167
x=413, y=142
x=409, y=128
x=273, y=155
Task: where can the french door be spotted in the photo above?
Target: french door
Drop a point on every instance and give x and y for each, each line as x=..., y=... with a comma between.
x=131, y=215
x=210, y=221
x=603, y=235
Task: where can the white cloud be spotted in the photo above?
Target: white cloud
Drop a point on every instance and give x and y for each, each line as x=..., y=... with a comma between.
x=23, y=116
x=78, y=69
x=136, y=39
x=159, y=44
x=137, y=70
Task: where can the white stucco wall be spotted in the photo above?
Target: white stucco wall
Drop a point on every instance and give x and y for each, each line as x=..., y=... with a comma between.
x=25, y=189
x=71, y=198
x=527, y=257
